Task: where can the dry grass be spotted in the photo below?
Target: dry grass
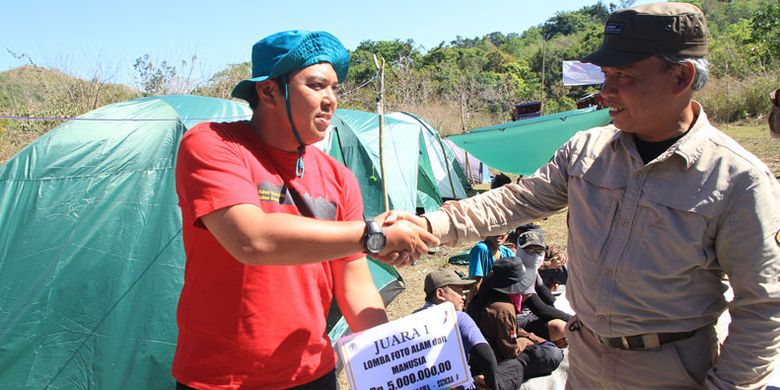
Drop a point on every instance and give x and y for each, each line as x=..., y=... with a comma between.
x=754, y=136
x=730, y=99
x=446, y=118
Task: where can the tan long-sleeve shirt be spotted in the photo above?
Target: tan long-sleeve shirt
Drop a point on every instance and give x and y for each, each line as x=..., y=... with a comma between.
x=649, y=244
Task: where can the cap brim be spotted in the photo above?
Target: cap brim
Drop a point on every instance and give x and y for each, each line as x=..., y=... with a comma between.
x=464, y=283
x=537, y=243
x=245, y=89
x=614, y=58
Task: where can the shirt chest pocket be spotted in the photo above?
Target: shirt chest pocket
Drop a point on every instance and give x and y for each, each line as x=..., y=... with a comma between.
x=681, y=221
x=595, y=196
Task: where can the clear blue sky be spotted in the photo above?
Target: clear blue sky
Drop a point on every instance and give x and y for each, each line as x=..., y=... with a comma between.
x=87, y=37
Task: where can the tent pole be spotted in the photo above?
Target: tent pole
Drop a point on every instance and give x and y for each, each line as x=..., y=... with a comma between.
x=463, y=130
x=468, y=168
x=544, y=57
x=380, y=109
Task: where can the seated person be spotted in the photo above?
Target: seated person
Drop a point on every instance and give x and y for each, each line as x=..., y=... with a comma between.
x=444, y=285
x=536, y=312
x=484, y=254
x=495, y=314
x=511, y=238
x=500, y=180
x=553, y=270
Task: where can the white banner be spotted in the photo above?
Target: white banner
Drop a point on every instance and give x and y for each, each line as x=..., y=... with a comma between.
x=422, y=351
x=581, y=73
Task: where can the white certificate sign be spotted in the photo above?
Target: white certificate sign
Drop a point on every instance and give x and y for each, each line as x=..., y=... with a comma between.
x=422, y=351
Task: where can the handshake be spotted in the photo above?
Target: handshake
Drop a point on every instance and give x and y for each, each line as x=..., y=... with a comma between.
x=407, y=236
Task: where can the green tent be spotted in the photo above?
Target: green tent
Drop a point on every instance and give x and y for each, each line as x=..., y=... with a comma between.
x=354, y=140
x=91, y=257
x=422, y=170
x=521, y=147
x=439, y=166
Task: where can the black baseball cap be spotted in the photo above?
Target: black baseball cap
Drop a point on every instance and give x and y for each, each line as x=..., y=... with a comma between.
x=636, y=33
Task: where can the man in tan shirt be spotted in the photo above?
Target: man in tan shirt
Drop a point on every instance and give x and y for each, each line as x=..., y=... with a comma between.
x=662, y=207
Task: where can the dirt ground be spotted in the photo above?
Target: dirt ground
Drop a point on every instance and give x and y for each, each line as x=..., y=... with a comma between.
x=413, y=296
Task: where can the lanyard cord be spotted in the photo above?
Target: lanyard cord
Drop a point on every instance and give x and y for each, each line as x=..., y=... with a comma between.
x=299, y=168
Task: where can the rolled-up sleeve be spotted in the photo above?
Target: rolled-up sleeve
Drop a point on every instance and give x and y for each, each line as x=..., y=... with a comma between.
x=748, y=249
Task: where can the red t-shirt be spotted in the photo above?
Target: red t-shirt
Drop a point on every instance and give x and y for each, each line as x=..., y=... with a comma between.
x=255, y=326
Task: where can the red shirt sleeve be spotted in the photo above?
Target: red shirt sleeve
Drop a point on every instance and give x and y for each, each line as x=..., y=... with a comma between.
x=211, y=173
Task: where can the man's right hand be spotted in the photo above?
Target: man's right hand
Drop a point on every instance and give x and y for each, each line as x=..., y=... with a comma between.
x=407, y=237
x=390, y=217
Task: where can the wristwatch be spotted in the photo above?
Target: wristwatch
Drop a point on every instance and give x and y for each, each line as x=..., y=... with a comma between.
x=374, y=239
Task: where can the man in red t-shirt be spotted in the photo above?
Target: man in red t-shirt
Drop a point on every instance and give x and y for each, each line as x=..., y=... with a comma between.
x=273, y=230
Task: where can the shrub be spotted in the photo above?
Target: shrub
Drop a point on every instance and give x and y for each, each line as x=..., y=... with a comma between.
x=729, y=99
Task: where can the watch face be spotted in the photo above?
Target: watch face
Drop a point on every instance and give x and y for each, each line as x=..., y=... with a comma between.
x=375, y=242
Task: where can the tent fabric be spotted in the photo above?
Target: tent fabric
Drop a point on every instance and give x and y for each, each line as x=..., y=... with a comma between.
x=92, y=262
x=478, y=172
x=353, y=139
x=91, y=255
x=440, y=160
x=523, y=146
x=419, y=163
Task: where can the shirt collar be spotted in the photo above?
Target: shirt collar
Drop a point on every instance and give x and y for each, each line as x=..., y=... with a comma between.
x=689, y=148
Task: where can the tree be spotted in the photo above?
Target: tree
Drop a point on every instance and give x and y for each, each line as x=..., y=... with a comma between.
x=766, y=32
x=163, y=78
x=222, y=83
x=620, y=5
x=565, y=23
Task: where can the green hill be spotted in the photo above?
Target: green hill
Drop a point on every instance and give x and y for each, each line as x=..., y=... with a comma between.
x=42, y=92
x=34, y=86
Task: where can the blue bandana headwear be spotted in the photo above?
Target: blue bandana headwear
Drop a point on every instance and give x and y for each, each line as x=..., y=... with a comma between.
x=279, y=54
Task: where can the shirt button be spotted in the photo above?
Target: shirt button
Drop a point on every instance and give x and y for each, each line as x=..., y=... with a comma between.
x=601, y=318
x=624, y=221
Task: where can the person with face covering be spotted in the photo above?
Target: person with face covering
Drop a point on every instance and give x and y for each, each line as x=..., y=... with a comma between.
x=535, y=305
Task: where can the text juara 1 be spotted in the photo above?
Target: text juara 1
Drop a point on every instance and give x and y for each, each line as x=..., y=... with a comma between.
x=399, y=338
